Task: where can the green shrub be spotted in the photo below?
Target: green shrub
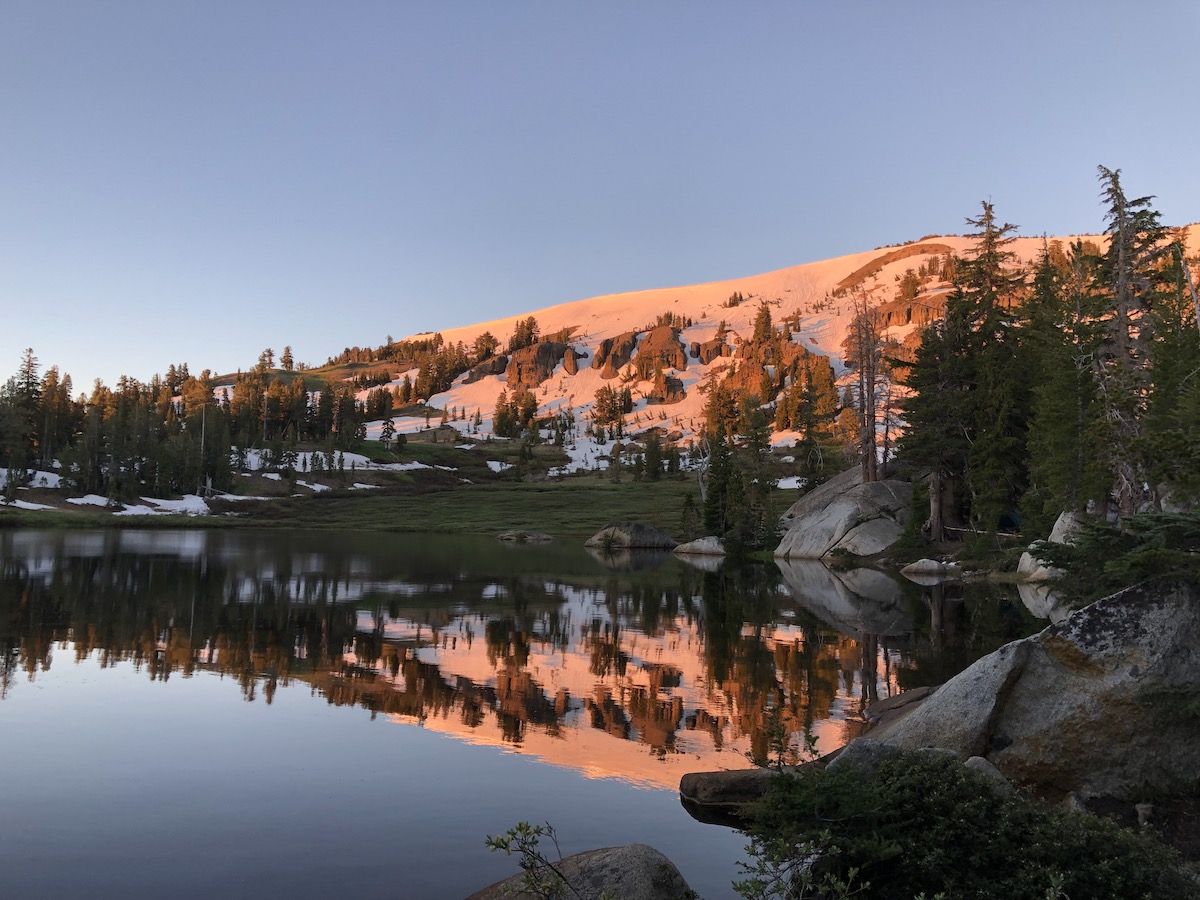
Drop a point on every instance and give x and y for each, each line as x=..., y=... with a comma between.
x=923, y=826
x=1105, y=559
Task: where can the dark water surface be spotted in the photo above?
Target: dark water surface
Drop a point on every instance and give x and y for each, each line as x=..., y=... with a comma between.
x=243, y=714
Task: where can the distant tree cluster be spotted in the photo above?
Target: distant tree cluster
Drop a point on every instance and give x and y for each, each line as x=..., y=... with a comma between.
x=513, y=416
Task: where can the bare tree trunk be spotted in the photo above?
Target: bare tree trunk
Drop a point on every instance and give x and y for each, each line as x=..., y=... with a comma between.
x=937, y=523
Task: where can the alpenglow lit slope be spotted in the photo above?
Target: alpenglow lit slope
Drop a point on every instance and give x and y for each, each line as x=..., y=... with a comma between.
x=613, y=339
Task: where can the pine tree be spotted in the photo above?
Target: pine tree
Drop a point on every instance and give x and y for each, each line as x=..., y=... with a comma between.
x=1058, y=343
x=654, y=456
x=763, y=328
x=1129, y=275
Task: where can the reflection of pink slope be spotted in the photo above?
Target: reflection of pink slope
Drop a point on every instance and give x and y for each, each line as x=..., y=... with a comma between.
x=576, y=744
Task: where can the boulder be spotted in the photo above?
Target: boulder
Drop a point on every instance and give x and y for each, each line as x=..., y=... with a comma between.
x=666, y=389
x=890, y=708
x=659, y=349
x=1101, y=704
x=614, y=352
x=931, y=567
x=705, y=546
x=726, y=792
x=530, y=366
x=630, y=536
x=632, y=872
x=1066, y=527
x=709, y=350
x=493, y=366
x=844, y=514
x=571, y=361
x=524, y=537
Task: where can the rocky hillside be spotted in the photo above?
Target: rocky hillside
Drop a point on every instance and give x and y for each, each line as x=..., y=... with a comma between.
x=665, y=345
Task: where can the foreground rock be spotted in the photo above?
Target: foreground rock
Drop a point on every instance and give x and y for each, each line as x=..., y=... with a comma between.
x=720, y=797
x=632, y=872
x=845, y=515
x=1101, y=705
x=631, y=536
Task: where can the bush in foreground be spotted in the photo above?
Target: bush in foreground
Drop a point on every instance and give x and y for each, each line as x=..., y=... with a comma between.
x=922, y=827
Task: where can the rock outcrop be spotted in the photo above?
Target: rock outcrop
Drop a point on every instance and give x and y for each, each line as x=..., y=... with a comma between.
x=632, y=872
x=493, y=366
x=846, y=515
x=659, y=349
x=631, y=536
x=530, y=366
x=707, y=351
x=614, y=352
x=1102, y=704
x=667, y=389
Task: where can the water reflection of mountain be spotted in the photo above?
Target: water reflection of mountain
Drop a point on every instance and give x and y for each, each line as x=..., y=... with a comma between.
x=642, y=674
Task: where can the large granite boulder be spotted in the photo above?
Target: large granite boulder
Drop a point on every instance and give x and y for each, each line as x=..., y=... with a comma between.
x=631, y=536
x=1102, y=704
x=846, y=515
x=1066, y=527
x=632, y=872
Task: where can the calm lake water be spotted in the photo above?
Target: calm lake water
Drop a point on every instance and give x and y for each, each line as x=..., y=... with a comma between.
x=238, y=714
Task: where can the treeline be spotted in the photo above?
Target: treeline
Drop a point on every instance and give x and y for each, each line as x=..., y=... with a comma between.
x=1072, y=385
x=436, y=362
x=171, y=435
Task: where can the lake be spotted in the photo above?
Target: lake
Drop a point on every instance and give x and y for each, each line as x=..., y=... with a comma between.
x=248, y=714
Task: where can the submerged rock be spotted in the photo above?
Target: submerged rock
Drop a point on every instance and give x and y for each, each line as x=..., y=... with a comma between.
x=846, y=515
x=524, y=537
x=631, y=535
x=632, y=872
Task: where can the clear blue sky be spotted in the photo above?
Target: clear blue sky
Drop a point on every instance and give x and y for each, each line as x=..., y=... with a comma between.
x=198, y=181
